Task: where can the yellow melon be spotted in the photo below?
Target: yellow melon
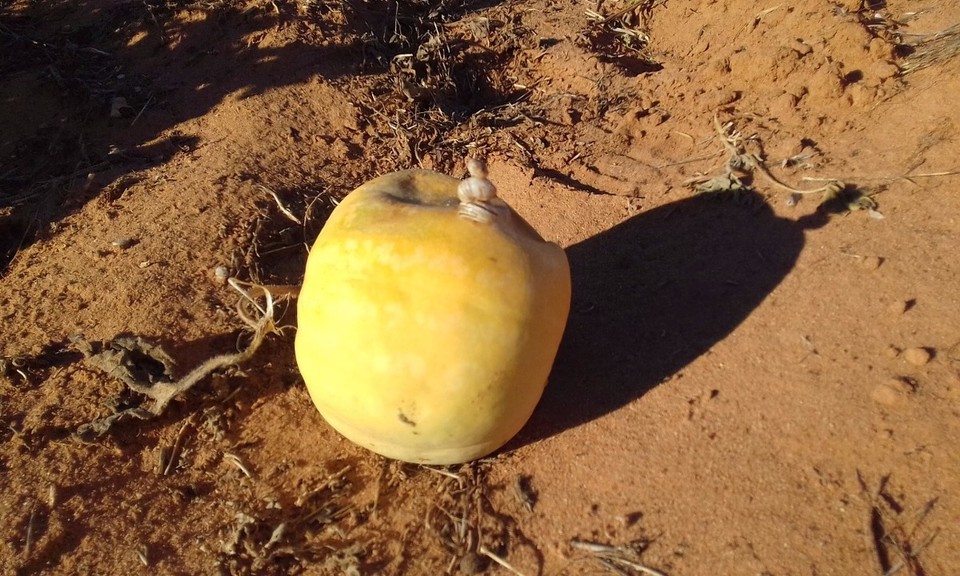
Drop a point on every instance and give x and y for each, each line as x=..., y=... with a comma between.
x=429, y=317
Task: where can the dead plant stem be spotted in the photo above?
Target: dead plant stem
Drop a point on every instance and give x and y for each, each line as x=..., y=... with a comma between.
x=489, y=554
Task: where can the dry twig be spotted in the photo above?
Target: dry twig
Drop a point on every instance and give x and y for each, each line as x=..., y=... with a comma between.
x=236, y=461
x=886, y=532
x=615, y=557
x=28, y=545
x=177, y=447
x=489, y=554
x=283, y=209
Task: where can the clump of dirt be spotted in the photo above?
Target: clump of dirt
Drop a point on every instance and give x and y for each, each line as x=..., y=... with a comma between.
x=761, y=372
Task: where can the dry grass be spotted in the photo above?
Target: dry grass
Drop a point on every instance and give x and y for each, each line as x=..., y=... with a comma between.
x=445, y=80
x=931, y=49
x=919, y=50
x=264, y=540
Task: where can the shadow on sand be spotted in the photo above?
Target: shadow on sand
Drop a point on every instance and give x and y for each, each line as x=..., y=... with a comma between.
x=655, y=292
x=64, y=65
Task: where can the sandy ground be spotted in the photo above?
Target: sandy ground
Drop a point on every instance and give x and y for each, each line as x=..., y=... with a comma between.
x=748, y=384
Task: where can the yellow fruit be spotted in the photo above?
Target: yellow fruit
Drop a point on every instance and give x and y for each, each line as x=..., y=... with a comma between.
x=428, y=321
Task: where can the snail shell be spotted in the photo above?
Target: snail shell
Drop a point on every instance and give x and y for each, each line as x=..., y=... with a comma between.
x=475, y=189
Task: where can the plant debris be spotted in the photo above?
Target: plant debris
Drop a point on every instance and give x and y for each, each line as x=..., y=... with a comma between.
x=622, y=37
x=147, y=369
x=742, y=165
x=894, y=533
x=623, y=560
x=253, y=544
x=931, y=49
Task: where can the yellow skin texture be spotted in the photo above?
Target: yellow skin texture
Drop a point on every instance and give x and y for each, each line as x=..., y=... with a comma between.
x=425, y=336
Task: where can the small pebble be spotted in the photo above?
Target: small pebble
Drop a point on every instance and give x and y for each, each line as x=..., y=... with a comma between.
x=119, y=108
x=871, y=262
x=221, y=274
x=885, y=395
x=472, y=563
x=953, y=386
x=124, y=243
x=903, y=384
x=898, y=307
x=891, y=351
x=892, y=392
x=917, y=356
x=801, y=48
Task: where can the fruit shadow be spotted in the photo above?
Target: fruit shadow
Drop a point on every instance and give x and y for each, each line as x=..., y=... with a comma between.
x=655, y=292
